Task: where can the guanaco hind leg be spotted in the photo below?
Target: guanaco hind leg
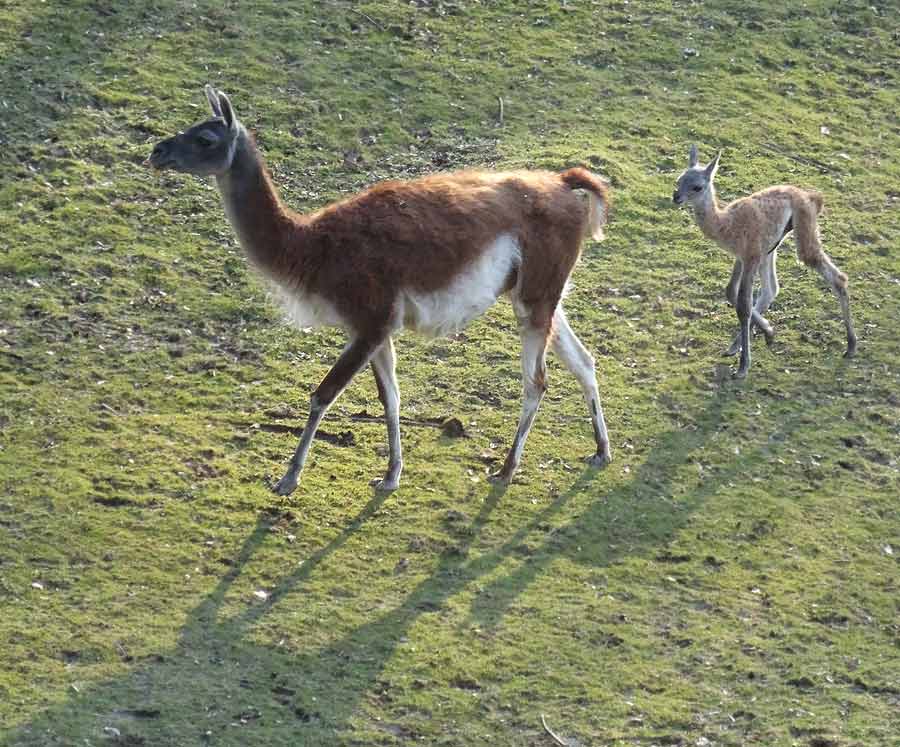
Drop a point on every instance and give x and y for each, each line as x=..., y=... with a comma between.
x=383, y=366
x=580, y=362
x=534, y=384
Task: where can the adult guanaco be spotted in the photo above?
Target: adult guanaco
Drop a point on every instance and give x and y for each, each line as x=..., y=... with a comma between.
x=429, y=255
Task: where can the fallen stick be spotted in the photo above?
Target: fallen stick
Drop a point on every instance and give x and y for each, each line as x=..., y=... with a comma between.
x=368, y=18
x=798, y=159
x=553, y=736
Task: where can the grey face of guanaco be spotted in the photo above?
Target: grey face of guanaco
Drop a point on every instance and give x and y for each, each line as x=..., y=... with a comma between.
x=205, y=149
x=695, y=180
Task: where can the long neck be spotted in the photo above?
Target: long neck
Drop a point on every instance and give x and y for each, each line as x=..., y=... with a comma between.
x=707, y=213
x=262, y=223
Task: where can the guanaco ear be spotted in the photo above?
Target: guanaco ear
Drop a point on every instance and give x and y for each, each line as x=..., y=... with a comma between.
x=692, y=156
x=712, y=167
x=227, y=111
x=213, y=99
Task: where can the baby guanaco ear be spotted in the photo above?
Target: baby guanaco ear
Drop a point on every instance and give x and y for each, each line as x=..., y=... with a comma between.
x=692, y=156
x=712, y=167
x=213, y=98
x=227, y=113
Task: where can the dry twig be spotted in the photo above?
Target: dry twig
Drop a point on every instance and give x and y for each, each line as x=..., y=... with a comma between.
x=553, y=736
x=798, y=159
x=368, y=18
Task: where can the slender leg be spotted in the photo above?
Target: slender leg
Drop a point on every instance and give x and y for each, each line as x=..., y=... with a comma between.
x=809, y=249
x=767, y=292
x=744, y=313
x=579, y=361
x=383, y=362
x=534, y=384
x=731, y=290
x=354, y=357
x=768, y=271
x=838, y=282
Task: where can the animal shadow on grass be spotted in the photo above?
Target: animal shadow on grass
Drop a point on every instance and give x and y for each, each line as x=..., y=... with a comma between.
x=320, y=695
x=632, y=519
x=228, y=682
x=636, y=517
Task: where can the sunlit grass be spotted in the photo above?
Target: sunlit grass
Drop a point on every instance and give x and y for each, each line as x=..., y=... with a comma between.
x=730, y=579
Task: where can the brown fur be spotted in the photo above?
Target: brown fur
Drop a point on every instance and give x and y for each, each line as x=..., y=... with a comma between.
x=421, y=234
x=398, y=255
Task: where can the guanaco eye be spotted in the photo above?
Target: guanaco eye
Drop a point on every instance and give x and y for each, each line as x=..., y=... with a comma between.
x=696, y=188
x=205, y=142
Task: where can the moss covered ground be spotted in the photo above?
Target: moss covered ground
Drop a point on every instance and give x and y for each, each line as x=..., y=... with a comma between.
x=731, y=579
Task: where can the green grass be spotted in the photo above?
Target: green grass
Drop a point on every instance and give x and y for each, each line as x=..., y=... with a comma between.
x=731, y=579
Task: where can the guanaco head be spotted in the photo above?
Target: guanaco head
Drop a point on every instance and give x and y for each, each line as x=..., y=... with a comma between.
x=207, y=148
x=696, y=179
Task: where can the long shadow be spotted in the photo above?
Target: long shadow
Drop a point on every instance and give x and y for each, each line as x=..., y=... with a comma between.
x=216, y=671
x=217, y=667
x=137, y=703
x=205, y=615
x=591, y=536
x=332, y=683
x=644, y=512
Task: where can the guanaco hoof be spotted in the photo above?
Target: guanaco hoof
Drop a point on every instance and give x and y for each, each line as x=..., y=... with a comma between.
x=385, y=485
x=499, y=478
x=286, y=485
x=733, y=349
x=599, y=460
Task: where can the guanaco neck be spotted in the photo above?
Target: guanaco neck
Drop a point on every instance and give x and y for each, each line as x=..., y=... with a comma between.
x=708, y=214
x=264, y=226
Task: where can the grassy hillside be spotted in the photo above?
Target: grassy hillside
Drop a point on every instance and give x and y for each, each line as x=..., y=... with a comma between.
x=731, y=579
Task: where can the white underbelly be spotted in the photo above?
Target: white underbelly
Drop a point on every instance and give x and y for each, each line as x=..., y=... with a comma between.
x=307, y=310
x=448, y=310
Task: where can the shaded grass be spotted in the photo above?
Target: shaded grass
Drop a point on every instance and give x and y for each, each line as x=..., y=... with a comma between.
x=731, y=577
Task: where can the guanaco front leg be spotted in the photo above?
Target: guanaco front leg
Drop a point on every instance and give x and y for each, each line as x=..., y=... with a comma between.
x=767, y=292
x=353, y=359
x=745, y=313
